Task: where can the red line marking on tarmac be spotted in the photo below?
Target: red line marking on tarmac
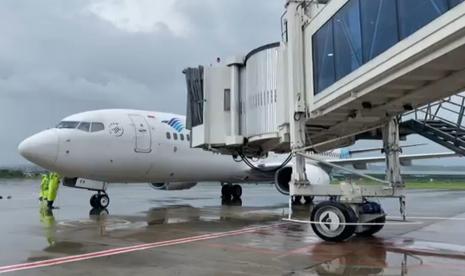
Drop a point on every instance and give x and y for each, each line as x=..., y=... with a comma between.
x=128, y=249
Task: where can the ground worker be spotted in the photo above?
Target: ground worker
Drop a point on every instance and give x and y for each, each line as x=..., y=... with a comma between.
x=44, y=187
x=48, y=222
x=53, y=184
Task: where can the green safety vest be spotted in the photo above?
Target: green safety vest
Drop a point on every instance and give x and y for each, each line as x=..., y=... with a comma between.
x=53, y=185
x=44, y=186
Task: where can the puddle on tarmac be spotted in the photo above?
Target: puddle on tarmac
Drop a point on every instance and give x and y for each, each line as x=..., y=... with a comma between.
x=380, y=257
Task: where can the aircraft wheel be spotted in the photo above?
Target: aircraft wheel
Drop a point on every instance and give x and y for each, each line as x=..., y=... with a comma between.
x=296, y=200
x=98, y=212
x=373, y=229
x=331, y=218
x=226, y=191
x=308, y=200
x=236, y=191
x=103, y=201
x=94, y=201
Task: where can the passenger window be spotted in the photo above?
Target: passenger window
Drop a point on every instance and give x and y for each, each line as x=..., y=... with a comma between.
x=68, y=125
x=97, y=127
x=84, y=126
x=168, y=135
x=182, y=137
x=188, y=137
x=175, y=136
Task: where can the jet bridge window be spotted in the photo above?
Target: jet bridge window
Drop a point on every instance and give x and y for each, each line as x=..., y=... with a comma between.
x=97, y=127
x=68, y=124
x=380, y=31
x=364, y=29
x=84, y=126
x=347, y=39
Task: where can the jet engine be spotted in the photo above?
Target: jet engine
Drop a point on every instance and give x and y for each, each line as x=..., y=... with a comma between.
x=315, y=174
x=173, y=186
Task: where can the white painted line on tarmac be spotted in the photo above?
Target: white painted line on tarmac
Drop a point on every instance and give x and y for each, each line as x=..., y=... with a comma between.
x=128, y=249
x=397, y=222
x=430, y=218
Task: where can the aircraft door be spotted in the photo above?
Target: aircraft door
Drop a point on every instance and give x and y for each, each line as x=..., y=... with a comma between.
x=143, y=137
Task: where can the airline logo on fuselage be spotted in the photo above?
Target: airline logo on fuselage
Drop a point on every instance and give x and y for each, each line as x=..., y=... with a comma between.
x=116, y=129
x=175, y=123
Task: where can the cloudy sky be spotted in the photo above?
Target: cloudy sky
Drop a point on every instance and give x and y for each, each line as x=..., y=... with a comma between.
x=62, y=57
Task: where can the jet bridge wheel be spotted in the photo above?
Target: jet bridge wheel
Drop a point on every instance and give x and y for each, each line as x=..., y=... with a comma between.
x=373, y=229
x=330, y=218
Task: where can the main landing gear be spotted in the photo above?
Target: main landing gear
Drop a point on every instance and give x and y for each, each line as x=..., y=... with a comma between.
x=335, y=221
x=230, y=191
x=297, y=200
x=231, y=195
x=100, y=200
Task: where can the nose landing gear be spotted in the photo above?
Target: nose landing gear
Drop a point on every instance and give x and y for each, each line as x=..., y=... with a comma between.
x=100, y=200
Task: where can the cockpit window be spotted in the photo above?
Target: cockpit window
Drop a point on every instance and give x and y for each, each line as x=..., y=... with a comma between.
x=84, y=126
x=68, y=124
x=97, y=127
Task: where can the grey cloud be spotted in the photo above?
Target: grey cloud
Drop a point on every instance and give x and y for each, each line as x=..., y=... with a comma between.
x=58, y=58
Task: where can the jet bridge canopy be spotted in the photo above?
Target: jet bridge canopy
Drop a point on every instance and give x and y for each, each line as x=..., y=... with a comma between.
x=346, y=67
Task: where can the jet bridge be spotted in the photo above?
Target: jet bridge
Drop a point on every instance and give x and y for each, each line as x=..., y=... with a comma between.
x=343, y=69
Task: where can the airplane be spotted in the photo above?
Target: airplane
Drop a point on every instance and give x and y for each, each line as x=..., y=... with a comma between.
x=96, y=148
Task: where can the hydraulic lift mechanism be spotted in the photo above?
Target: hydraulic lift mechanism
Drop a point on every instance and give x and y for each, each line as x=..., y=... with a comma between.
x=340, y=73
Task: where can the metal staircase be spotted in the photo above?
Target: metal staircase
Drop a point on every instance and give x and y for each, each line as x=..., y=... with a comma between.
x=440, y=122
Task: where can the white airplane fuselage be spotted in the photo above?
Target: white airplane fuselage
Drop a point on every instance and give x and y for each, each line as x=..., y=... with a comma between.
x=134, y=147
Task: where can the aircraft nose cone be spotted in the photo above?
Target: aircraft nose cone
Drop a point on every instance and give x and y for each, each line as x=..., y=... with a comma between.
x=41, y=148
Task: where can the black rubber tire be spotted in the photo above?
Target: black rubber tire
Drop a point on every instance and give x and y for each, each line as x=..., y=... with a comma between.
x=308, y=200
x=98, y=212
x=103, y=201
x=297, y=200
x=226, y=192
x=344, y=214
x=94, y=201
x=373, y=229
x=236, y=191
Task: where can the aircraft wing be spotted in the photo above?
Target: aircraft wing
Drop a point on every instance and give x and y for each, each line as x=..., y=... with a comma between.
x=266, y=170
x=405, y=159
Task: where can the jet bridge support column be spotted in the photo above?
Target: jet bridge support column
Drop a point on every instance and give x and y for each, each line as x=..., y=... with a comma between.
x=234, y=66
x=296, y=89
x=392, y=151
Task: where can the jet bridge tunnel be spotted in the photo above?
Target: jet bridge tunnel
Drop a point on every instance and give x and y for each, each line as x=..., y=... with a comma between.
x=345, y=66
x=344, y=69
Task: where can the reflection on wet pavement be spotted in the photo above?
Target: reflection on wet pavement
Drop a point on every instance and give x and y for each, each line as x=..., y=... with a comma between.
x=35, y=234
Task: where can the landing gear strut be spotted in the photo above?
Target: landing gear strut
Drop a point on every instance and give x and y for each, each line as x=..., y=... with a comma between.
x=100, y=200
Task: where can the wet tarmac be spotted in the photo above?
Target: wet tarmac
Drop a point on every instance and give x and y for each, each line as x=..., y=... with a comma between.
x=148, y=232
